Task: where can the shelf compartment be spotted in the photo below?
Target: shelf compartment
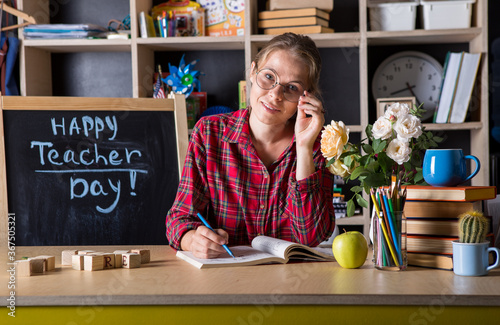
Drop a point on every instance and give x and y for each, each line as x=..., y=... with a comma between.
x=453, y=126
x=421, y=36
x=79, y=45
x=203, y=43
x=354, y=220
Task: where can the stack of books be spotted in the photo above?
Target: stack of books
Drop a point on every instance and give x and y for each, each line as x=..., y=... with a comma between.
x=432, y=221
x=299, y=21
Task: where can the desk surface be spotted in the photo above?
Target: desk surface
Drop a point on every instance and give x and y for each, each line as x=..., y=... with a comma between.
x=170, y=281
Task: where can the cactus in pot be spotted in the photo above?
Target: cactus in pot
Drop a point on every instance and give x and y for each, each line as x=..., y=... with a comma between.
x=473, y=227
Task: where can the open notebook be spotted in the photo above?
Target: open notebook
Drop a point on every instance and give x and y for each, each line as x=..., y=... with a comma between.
x=262, y=251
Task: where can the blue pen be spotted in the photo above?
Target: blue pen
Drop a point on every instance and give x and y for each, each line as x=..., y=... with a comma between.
x=209, y=227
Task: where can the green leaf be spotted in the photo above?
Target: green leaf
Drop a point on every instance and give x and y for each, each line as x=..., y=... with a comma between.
x=358, y=172
x=350, y=208
x=367, y=148
x=329, y=162
x=418, y=177
x=438, y=139
x=379, y=145
x=356, y=189
x=373, y=166
x=361, y=201
x=375, y=180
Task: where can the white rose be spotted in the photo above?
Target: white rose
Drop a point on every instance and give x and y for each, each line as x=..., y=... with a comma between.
x=333, y=138
x=397, y=110
x=382, y=128
x=399, y=151
x=407, y=127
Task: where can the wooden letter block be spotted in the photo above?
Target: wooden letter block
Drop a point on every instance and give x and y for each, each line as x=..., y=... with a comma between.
x=37, y=265
x=77, y=262
x=118, y=260
x=93, y=262
x=108, y=260
x=66, y=256
x=23, y=267
x=131, y=260
x=145, y=255
x=85, y=252
x=121, y=251
x=50, y=262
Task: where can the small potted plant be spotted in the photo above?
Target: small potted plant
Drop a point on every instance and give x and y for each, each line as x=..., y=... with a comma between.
x=471, y=250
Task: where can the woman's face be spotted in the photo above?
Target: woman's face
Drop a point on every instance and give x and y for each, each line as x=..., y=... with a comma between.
x=271, y=106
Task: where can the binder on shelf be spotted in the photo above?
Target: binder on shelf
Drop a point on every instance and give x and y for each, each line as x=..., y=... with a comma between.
x=452, y=71
x=468, y=72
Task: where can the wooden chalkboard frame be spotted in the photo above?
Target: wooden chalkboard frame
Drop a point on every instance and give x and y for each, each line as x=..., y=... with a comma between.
x=175, y=103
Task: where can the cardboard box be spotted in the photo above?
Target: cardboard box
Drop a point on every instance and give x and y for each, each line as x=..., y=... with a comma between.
x=326, y=5
x=224, y=18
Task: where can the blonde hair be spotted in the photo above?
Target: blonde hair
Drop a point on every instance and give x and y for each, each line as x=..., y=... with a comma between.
x=302, y=47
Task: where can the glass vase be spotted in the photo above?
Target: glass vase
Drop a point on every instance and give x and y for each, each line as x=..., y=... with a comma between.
x=389, y=242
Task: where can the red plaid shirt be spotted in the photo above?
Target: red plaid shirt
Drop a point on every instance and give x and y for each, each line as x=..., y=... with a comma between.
x=224, y=179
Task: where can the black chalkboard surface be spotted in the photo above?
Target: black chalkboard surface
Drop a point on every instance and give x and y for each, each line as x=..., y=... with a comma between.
x=90, y=177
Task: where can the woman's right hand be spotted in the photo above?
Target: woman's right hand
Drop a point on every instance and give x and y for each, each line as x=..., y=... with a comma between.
x=205, y=243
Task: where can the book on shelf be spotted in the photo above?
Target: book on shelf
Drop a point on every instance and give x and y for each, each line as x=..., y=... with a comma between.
x=263, y=250
x=290, y=22
x=466, y=80
x=242, y=94
x=316, y=29
x=146, y=24
x=440, y=209
x=326, y=5
x=289, y=13
x=456, y=193
x=435, y=261
x=451, y=72
x=460, y=73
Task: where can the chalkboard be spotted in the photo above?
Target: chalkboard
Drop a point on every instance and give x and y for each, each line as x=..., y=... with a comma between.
x=90, y=177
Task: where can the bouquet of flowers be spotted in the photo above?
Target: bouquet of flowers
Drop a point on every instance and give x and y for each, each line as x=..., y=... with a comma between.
x=393, y=150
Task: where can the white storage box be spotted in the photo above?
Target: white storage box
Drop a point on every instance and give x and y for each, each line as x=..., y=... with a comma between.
x=446, y=14
x=392, y=15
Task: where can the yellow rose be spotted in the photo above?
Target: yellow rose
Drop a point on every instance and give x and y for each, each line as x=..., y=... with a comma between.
x=333, y=138
x=339, y=169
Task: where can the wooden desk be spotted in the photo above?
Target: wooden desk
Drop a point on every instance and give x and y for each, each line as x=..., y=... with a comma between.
x=246, y=295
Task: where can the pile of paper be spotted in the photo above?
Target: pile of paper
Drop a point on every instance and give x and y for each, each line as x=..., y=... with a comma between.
x=64, y=31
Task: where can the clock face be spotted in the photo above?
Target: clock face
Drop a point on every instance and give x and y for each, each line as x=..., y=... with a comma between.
x=407, y=74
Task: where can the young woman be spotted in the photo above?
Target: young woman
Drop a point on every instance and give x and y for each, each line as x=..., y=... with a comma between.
x=259, y=171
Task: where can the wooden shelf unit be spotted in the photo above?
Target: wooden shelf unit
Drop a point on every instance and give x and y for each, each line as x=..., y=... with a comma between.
x=35, y=61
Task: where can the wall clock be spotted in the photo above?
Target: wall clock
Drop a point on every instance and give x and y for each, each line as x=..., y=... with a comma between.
x=410, y=73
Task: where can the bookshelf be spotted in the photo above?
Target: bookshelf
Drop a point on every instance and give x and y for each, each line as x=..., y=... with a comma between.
x=350, y=56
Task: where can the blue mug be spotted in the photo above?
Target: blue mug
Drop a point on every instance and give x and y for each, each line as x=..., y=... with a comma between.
x=447, y=167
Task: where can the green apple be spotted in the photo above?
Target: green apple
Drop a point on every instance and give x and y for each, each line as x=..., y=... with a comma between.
x=350, y=249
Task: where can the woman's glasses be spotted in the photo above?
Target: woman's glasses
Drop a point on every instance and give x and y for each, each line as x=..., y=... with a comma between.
x=268, y=79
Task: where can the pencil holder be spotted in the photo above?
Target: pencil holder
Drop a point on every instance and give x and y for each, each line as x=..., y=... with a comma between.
x=389, y=241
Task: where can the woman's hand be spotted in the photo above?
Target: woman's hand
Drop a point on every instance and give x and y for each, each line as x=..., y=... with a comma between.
x=204, y=243
x=310, y=120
